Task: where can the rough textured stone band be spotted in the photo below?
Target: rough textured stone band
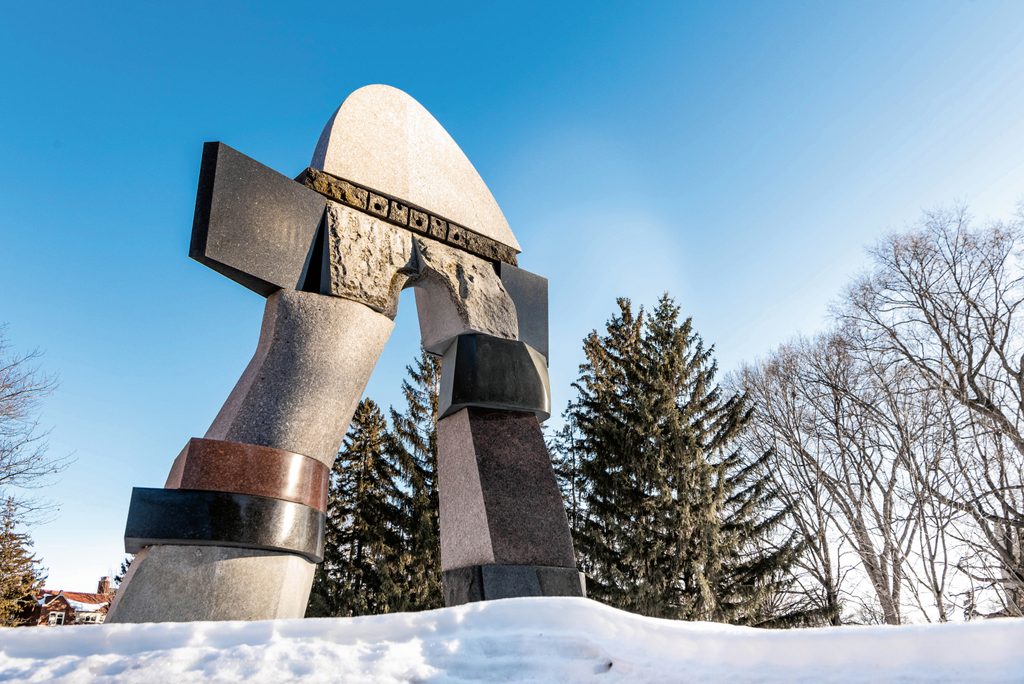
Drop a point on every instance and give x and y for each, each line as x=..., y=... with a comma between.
x=197, y=518
x=222, y=466
x=397, y=211
x=484, y=371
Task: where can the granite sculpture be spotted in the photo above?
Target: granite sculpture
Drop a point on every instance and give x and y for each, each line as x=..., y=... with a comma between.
x=389, y=202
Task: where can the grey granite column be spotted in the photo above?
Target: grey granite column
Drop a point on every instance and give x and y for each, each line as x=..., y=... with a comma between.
x=298, y=394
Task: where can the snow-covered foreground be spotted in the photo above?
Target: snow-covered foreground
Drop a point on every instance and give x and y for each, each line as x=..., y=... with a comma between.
x=534, y=640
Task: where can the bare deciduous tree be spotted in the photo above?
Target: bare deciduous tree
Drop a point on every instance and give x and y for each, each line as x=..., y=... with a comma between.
x=25, y=461
x=901, y=433
x=946, y=300
x=837, y=431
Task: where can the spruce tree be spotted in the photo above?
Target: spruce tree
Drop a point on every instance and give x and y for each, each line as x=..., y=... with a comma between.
x=122, y=571
x=567, y=462
x=415, y=444
x=363, y=541
x=20, y=574
x=675, y=520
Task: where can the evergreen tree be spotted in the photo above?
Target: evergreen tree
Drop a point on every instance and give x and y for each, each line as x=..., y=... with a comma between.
x=20, y=574
x=122, y=572
x=415, y=444
x=567, y=462
x=675, y=521
x=363, y=541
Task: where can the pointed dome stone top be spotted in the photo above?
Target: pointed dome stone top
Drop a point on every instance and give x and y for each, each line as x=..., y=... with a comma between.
x=383, y=138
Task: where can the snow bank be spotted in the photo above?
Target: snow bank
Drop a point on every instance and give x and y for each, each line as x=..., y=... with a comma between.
x=534, y=640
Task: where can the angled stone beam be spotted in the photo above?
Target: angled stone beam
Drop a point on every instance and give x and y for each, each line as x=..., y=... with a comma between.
x=253, y=224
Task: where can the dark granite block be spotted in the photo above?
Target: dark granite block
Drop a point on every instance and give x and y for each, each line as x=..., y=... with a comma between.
x=499, y=501
x=223, y=466
x=462, y=585
x=490, y=582
x=529, y=292
x=253, y=224
x=561, y=582
x=484, y=371
x=200, y=518
x=509, y=581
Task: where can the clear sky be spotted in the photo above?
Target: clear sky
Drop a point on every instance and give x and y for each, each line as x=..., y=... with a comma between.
x=740, y=156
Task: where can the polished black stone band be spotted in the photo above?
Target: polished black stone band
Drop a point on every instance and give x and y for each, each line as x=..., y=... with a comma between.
x=201, y=518
x=489, y=582
x=490, y=372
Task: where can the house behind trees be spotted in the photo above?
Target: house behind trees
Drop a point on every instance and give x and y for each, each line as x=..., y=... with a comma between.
x=55, y=607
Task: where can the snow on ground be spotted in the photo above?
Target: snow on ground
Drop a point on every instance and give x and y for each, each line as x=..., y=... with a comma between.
x=531, y=640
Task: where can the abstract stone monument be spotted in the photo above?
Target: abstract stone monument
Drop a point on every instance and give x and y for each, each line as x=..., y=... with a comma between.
x=389, y=202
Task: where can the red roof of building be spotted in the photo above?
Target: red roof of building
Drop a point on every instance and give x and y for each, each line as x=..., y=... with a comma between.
x=79, y=596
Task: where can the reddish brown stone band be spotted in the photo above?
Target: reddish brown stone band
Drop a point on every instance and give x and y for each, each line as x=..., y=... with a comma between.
x=216, y=465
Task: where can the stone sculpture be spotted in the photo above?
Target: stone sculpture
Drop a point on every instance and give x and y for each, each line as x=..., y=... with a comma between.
x=389, y=202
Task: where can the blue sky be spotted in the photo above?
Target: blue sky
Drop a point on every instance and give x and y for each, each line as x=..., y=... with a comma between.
x=740, y=156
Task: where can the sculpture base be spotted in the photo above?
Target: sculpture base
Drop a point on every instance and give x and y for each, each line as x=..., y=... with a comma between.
x=489, y=582
x=198, y=583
